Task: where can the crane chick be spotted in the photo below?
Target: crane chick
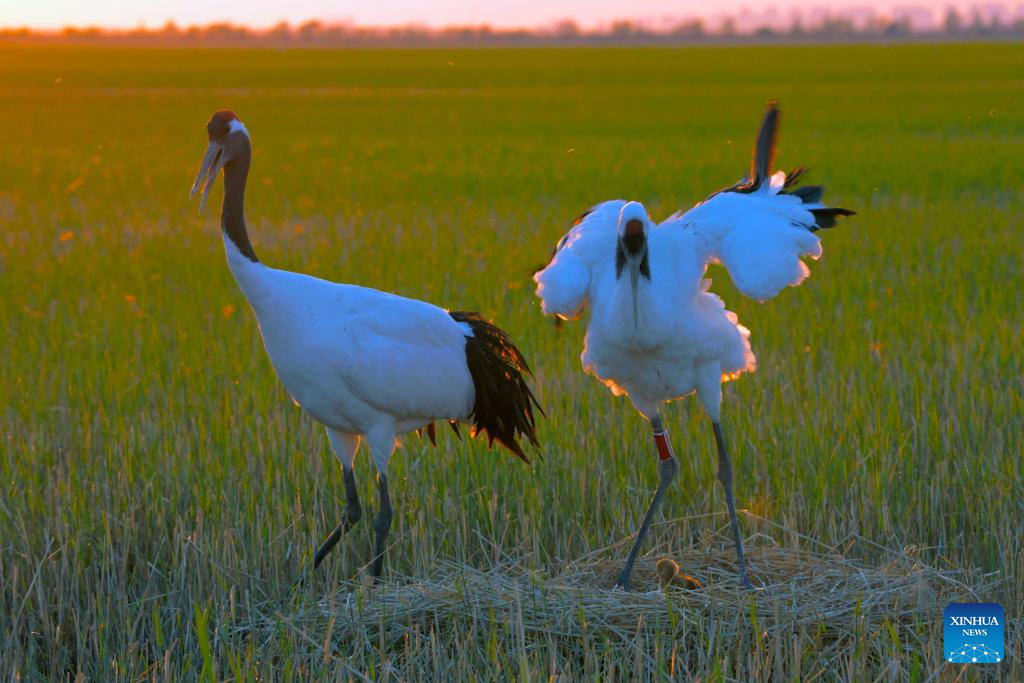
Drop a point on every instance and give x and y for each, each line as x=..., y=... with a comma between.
x=668, y=573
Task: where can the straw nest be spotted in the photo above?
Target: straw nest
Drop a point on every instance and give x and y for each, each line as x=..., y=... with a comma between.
x=837, y=598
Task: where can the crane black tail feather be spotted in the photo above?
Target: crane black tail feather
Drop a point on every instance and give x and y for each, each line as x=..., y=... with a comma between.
x=764, y=153
x=764, y=147
x=824, y=217
x=504, y=403
x=761, y=170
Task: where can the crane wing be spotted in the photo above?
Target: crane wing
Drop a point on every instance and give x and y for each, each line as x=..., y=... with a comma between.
x=400, y=356
x=760, y=228
x=563, y=285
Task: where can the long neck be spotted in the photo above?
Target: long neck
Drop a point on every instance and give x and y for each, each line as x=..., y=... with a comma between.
x=232, y=213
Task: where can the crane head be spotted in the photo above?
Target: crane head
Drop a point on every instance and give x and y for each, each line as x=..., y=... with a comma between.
x=228, y=139
x=633, y=228
x=631, y=249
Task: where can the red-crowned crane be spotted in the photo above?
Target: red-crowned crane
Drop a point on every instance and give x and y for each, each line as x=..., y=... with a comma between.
x=656, y=333
x=367, y=364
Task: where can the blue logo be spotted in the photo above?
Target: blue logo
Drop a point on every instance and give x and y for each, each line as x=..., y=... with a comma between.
x=973, y=633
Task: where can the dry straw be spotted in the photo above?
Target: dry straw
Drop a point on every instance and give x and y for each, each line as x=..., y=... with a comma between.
x=834, y=604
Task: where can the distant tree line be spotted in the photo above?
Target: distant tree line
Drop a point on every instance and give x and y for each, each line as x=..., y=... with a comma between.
x=983, y=22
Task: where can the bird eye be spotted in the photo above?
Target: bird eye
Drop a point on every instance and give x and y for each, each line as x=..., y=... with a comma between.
x=227, y=129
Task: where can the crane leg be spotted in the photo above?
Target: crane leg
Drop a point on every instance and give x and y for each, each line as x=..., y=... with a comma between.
x=667, y=469
x=353, y=512
x=725, y=476
x=381, y=526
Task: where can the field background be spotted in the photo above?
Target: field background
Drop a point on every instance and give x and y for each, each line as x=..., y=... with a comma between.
x=160, y=488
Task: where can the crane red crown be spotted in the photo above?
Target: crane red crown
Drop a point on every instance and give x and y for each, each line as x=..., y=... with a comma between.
x=219, y=121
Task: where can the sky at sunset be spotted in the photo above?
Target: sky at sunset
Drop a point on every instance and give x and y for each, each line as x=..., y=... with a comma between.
x=528, y=13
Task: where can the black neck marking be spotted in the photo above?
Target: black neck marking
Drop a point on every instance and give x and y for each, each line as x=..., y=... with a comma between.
x=232, y=213
x=620, y=262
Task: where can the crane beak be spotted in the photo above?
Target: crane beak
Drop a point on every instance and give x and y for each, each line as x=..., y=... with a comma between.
x=634, y=284
x=213, y=161
x=633, y=246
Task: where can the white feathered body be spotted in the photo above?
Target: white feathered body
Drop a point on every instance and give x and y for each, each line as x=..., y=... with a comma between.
x=358, y=360
x=682, y=339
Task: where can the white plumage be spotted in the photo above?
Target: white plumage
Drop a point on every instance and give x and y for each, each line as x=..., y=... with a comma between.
x=683, y=331
x=366, y=364
x=655, y=332
x=359, y=361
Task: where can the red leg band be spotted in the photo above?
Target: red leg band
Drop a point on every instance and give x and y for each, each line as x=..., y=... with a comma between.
x=664, y=447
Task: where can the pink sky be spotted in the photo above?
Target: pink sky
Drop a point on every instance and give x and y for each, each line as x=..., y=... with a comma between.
x=529, y=13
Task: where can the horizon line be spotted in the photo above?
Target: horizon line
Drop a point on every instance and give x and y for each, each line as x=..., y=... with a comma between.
x=774, y=17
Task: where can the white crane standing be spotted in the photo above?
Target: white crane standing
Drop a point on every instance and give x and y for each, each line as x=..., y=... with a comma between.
x=656, y=333
x=367, y=364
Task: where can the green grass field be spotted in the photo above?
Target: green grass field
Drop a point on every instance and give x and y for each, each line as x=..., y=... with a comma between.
x=161, y=492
